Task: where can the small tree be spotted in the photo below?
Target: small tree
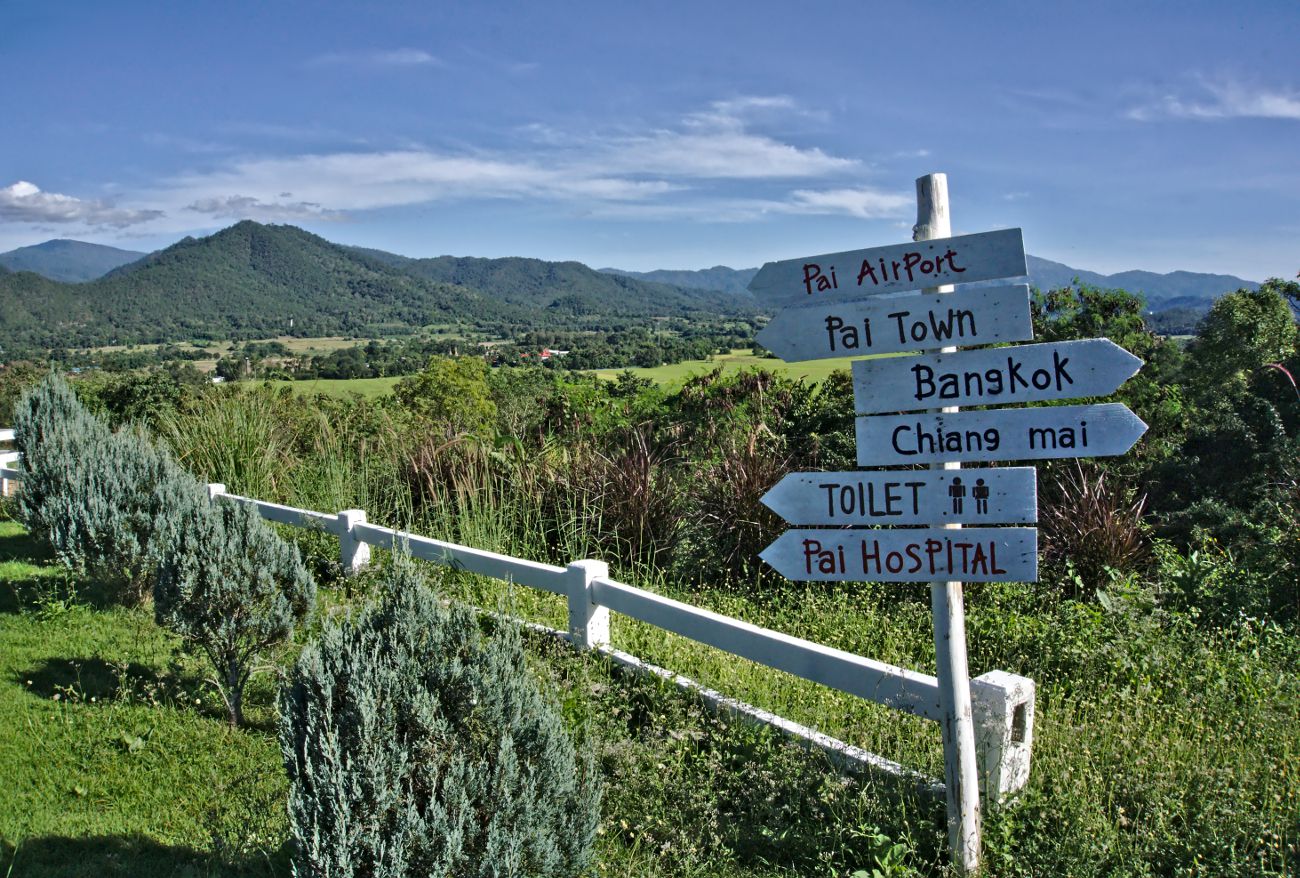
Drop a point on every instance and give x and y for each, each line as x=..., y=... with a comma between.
x=231, y=588
x=415, y=746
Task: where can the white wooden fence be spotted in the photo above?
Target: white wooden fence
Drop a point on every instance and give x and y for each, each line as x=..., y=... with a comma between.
x=8, y=461
x=1003, y=702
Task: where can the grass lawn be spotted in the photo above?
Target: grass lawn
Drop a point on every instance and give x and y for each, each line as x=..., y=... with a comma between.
x=114, y=761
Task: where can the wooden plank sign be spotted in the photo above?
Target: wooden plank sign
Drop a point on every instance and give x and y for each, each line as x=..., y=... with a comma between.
x=984, y=554
x=856, y=274
x=1025, y=373
x=998, y=434
x=892, y=324
x=980, y=496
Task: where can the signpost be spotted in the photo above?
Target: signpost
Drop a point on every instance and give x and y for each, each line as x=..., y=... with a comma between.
x=1045, y=433
x=856, y=274
x=1002, y=495
x=848, y=303
x=1025, y=373
x=892, y=324
x=972, y=554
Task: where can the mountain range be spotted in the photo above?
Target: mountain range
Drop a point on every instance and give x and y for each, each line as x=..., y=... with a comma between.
x=257, y=281
x=254, y=281
x=1177, y=289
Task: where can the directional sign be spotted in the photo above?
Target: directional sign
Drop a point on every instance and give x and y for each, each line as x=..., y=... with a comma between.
x=908, y=322
x=856, y=274
x=1025, y=373
x=977, y=496
x=998, y=434
x=978, y=554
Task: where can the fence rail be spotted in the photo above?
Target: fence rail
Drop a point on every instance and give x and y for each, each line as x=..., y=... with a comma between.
x=1003, y=703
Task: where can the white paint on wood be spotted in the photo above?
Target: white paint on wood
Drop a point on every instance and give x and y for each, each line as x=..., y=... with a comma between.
x=281, y=514
x=992, y=554
x=900, y=323
x=1004, y=732
x=895, y=687
x=354, y=553
x=1042, y=433
x=856, y=274
x=993, y=495
x=588, y=620
x=530, y=573
x=933, y=220
x=1019, y=374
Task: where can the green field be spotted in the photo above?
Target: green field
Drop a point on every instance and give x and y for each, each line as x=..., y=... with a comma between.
x=675, y=375
x=370, y=388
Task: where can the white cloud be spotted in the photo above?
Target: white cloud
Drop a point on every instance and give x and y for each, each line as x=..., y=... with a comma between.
x=717, y=143
x=24, y=202
x=863, y=203
x=249, y=207
x=712, y=165
x=1222, y=100
x=377, y=58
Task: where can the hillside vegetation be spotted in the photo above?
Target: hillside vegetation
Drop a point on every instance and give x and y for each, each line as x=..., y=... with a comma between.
x=258, y=281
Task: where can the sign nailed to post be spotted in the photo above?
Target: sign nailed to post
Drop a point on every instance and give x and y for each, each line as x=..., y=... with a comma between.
x=975, y=554
x=999, y=434
x=983, y=496
x=1024, y=373
x=893, y=324
x=856, y=274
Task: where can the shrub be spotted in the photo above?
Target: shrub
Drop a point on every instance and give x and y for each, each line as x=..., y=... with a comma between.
x=107, y=502
x=416, y=746
x=1091, y=526
x=231, y=588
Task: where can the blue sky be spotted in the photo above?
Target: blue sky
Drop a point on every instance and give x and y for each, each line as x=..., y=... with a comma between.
x=646, y=135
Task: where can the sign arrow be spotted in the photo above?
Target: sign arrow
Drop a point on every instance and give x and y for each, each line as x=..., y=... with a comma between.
x=856, y=274
x=977, y=554
x=908, y=322
x=1025, y=373
x=998, y=434
x=977, y=496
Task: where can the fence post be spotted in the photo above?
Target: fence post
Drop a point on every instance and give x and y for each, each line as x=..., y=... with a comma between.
x=215, y=488
x=1003, y=704
x=588, y=621
x=353, y=553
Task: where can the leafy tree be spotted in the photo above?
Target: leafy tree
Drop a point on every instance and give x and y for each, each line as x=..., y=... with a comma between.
x=452, y=393
x=1243, y=332
x=415, y=746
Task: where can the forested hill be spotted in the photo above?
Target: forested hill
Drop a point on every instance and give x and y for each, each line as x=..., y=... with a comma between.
x=254, y=280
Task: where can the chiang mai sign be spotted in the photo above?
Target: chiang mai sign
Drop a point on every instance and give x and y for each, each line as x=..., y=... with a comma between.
x=998, y=434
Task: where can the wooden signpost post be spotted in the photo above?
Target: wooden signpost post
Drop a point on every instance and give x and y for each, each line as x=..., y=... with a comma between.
x=842, y=304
